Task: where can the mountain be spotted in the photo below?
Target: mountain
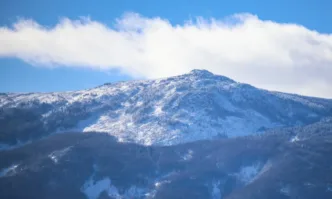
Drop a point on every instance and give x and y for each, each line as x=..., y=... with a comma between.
x=181, y=109
x=286, y=163
x=196, y=135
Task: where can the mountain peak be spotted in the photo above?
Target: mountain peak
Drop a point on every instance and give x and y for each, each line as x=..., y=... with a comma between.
x=201, y=72
x=205, y=74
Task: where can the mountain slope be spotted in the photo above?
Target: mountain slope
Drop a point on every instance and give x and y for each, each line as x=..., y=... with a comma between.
x=94, y=166
x=198, y=105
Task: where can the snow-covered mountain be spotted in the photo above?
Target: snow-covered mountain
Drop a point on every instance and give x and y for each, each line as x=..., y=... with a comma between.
x=194, y=106
x=291, y=162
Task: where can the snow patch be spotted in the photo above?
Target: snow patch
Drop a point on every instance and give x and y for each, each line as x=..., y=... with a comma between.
x=242, y=126
x=248, y=174
x=93, y=189
x=295, y=139
x=160, y=183
x=158, y=110
x=56, y=155
x=285, y=190
x=216, y=193
x=8, y=171
x=134, y=192
x=139, y=103
x=126, y=104
x=188, y=156
x=163, y=179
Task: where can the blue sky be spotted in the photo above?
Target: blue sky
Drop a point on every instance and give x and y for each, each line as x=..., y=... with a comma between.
x=19, y=75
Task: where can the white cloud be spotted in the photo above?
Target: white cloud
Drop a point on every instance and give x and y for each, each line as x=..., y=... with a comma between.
x=285, y=57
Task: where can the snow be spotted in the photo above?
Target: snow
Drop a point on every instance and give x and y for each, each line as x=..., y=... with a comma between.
x=267, y=166
x=295, y=139
x=158, y=110
x=139, y=103
x=242, y=126
x=188, y=156
x=134, y=192
x=56, y=155
x=249, y=173
x=163, y=179
x=285, y=190
x=216, y=193
x=300, y=99
x=157, y=184
x=9, y=170
x=169, y=111
x=93, y=189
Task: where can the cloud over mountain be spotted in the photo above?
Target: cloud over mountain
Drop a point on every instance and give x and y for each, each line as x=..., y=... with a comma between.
x=267, y=54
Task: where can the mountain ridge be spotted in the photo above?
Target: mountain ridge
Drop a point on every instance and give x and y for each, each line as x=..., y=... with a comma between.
x=193, y=106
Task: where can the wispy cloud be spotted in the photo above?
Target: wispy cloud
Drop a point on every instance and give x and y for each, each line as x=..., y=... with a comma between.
x=285, y=57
